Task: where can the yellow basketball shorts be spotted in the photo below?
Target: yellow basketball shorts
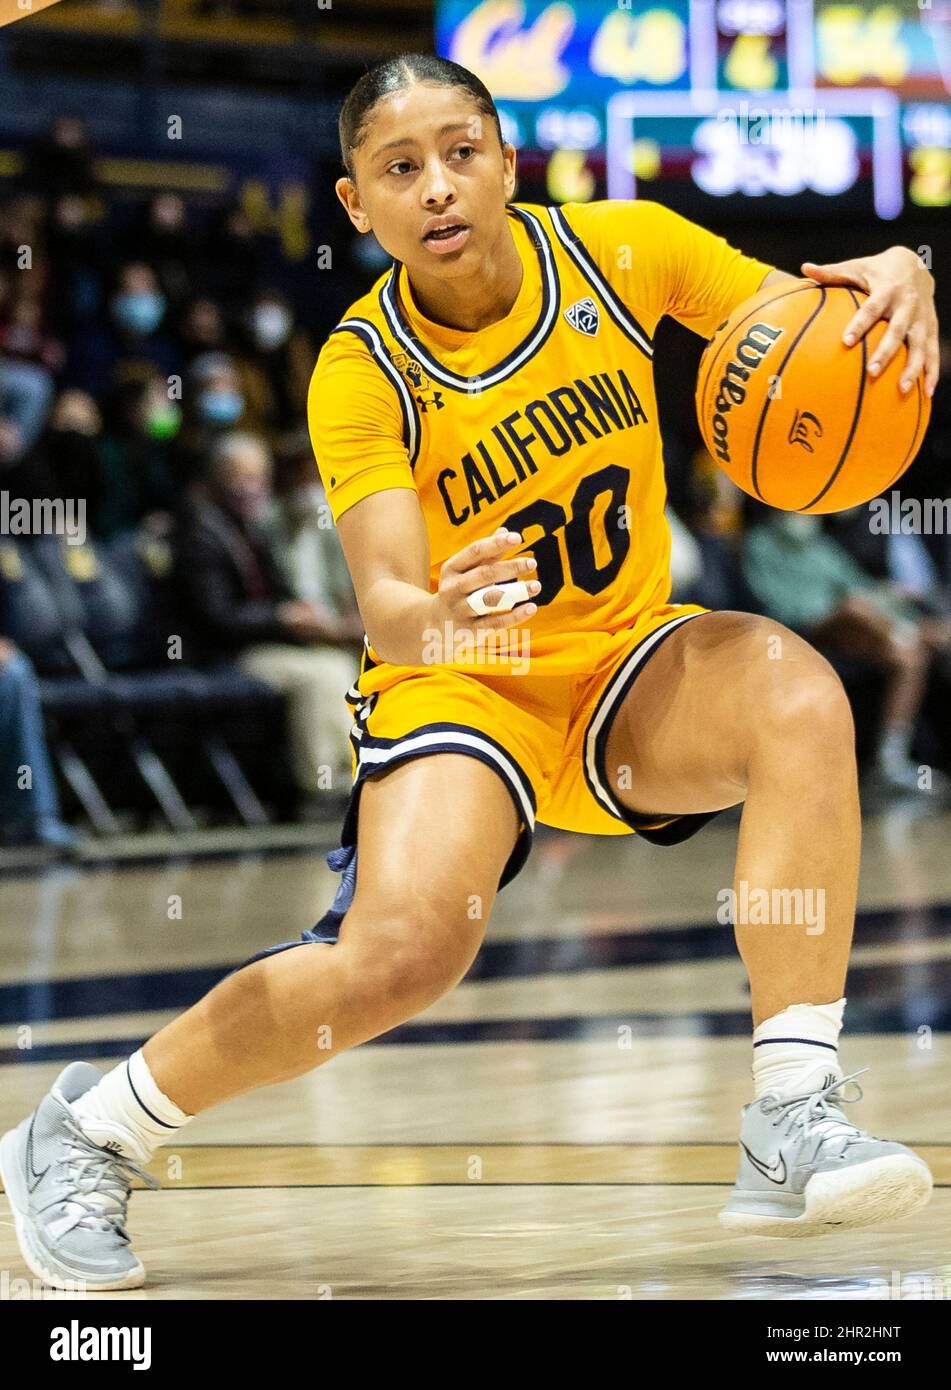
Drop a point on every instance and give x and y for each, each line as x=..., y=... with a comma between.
x=544, y=734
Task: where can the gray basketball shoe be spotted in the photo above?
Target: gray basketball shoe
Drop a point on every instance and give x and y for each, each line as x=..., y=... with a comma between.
x=804, y=1169
x=69, y=1196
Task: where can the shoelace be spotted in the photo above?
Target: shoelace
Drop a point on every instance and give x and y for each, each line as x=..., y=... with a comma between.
x=103, y=1180
x=817, y=1116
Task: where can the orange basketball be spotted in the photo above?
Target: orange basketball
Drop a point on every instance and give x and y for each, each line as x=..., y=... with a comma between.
x=791, y=414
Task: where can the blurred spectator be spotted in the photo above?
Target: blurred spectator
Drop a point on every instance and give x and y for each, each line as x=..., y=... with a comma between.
x=243, y=610
x=276, y=366
x=713, y=511
x=66, y=460
x=132, y=334
x=233, y=258
x=307, y=546
x=22, y=242
x=77, y=251
x=900, y=557
x=214, y=404
x=61, y=159
x=216, y=395
x=201, y=329
x=809, y=582
x=137, y=485
x=29, y=807
x=26, y=392
x=23, y=334
x=161, y=236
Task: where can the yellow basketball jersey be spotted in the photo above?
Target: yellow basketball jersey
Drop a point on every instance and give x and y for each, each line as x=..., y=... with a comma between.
x=544, y=422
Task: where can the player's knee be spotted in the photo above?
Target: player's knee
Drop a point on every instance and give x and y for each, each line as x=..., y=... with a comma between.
x=419, y=953
x=805, y=701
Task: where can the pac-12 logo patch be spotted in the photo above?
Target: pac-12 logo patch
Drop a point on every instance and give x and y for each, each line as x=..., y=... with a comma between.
x=583, y=315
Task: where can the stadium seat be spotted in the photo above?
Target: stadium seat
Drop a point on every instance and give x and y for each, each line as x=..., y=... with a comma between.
x=100, y=625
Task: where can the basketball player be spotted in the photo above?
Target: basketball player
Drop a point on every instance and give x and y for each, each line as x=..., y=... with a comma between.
x=485, y=416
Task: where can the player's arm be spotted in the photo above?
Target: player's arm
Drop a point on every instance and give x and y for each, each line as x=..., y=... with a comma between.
x=357, y=433
x=387, y=551
x=386, y=545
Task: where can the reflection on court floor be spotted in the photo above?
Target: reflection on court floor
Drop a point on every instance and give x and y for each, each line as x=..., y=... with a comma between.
x=563, y=1125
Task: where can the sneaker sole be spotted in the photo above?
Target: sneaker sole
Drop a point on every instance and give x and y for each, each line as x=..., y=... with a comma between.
x=35, y=1255
x=868, y=1194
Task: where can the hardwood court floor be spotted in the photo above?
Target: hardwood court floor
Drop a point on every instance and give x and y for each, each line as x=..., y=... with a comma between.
x=562, y=1126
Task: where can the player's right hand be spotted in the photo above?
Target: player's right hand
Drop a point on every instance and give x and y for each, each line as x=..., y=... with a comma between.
x=474, y=567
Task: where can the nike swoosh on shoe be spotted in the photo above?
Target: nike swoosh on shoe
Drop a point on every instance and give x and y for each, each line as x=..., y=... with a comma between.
x=776, y=1172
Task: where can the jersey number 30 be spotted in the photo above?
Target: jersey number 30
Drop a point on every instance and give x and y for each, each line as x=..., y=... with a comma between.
x=579, y=542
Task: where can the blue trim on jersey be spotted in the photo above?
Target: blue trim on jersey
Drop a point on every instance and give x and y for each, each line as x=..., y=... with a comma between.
x=548, y=317
x=442, y=737
x=589, y=268
x=369, y=335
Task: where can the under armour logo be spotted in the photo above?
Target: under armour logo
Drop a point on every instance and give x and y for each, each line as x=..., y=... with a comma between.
x=583, y=315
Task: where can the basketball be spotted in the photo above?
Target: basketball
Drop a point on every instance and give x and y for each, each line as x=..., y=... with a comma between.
x=791, y=414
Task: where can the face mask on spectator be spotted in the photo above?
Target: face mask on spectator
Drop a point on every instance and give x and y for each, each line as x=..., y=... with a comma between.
x=271, y=325
x=163, y=420
x=220, y=407
x=141, y=311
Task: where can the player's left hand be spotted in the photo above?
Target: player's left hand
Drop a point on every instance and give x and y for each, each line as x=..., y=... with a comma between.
x=901, y=290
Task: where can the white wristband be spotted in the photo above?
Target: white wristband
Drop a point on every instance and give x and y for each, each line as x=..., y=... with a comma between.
x=513, y=592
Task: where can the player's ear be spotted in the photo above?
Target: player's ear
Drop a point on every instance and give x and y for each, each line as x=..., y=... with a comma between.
x=509, y=174
x=346, y=191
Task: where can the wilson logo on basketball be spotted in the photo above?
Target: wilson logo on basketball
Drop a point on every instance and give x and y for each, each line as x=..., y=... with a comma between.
x=748, y=356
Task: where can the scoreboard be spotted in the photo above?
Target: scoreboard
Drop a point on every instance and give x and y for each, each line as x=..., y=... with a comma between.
x=785, y=106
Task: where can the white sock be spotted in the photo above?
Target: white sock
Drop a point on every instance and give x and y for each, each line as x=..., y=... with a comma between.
x=127, y=1112
x=797, y=1050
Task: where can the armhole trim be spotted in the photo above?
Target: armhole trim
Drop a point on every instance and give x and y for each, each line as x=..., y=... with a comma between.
x=370, y=336
x=586, y=264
